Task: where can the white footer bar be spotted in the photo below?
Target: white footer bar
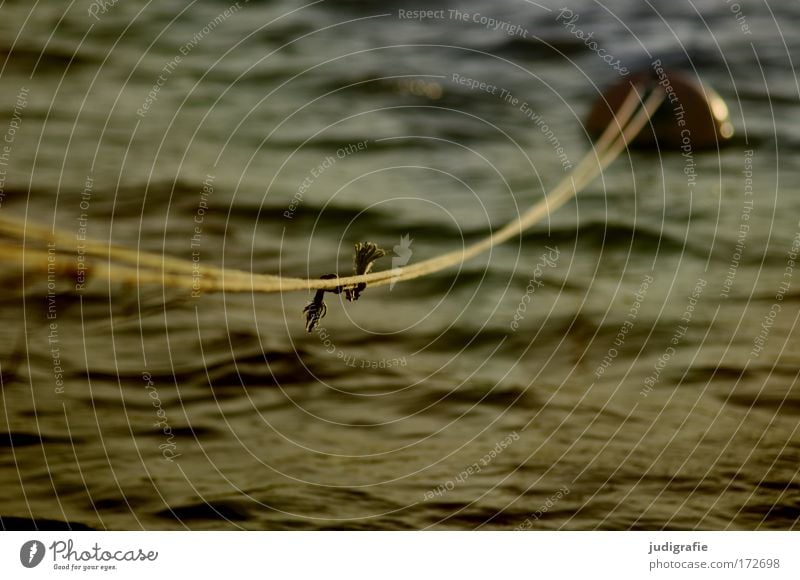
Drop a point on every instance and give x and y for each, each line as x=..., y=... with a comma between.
x=401, y=555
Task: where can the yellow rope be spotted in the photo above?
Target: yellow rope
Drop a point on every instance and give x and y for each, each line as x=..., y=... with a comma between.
x=177, y=273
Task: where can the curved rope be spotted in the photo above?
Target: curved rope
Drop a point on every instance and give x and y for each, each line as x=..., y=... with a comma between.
x=628, y=121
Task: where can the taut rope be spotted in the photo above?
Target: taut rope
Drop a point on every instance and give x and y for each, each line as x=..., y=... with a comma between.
x=149, y=268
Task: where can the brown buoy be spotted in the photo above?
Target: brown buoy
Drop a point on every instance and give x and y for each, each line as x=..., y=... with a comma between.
x=691, y=110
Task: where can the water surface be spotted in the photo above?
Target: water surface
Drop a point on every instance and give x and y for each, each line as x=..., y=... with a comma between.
x=419, y=406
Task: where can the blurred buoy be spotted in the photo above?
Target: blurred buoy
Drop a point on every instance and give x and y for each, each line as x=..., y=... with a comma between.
x=690, y=110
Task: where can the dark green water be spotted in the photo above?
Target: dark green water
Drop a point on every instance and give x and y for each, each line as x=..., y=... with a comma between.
x=632, y=362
